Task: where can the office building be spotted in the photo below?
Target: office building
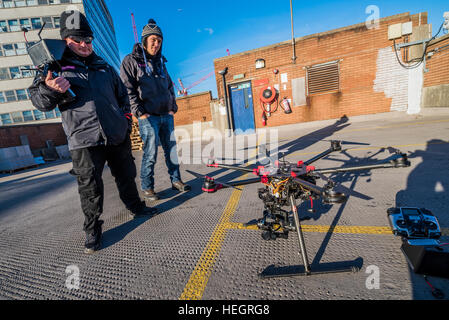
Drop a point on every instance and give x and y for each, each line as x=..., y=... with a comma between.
x=15, y=64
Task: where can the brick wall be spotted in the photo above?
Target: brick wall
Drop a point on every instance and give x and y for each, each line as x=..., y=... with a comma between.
x=369, y=73
x=438, y=65
x=37, y=135
x=195, y=107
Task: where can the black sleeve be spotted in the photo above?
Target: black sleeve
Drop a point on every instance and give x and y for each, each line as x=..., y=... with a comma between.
x=128, y=75
x=42, y=97
x=173, y=106
x=122, y=98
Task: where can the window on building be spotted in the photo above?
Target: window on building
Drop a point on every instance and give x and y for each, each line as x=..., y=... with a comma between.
x=54, y=1
x=323, y=78
x=1, y=51
x=48, y=22
x=50, y=114
x=13, y=25
x=8, y=3
x=36, y=23
x=56, y=22
x=25, y=23
x=17, y=117
x=42, y=2
x=3, y=26
x=21, y=94
x=20, y=3
x=27, y=73
x=10, y=96
x=20, y=48
x=27, y=115
x=58, y=113
x=4, y=74
x=38, y=115
x=9, y=50
x=15, y=73
x=5, y=118
x=2, y=97
x=31, y=2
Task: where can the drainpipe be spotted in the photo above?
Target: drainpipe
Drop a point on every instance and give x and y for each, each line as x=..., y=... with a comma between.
x=293, y=34
x=228, y=111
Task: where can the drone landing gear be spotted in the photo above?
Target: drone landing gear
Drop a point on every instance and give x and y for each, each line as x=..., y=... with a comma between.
x=305, y=269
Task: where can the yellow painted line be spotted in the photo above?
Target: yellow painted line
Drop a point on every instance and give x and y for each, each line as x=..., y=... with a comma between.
x=335, y=229
x=196, y=285
x=197, y=282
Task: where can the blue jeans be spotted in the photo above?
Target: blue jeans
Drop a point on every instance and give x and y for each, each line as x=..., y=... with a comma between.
x=152, y=130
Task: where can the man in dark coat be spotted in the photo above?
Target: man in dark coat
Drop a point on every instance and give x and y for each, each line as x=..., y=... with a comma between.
x=152, y=99
x=95, y=123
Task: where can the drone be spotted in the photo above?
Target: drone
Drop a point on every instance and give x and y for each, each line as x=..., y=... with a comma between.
x=285, y=183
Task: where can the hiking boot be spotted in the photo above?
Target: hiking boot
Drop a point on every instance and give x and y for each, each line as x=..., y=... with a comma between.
x=144, y=211
x=93, y=240
x=150, y=195
x=180, y=186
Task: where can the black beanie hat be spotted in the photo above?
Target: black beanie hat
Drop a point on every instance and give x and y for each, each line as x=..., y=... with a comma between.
x=74, y=23
x=151, y=29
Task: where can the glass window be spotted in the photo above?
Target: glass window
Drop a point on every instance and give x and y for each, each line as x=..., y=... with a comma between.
x=25, y=23
x=15, y=73
x=27, y=73
x=8, y=3
x=20, y=48
x=13, y=25
x=9, y=50
x=36, y=23
x=65, y=1
x=20, y=3
x=6, y=118
x=1, y=51
x=56, y=22
x=55, y=2
x=17, y=117
x=10, y=96
x=4, y=74
x=48, y=22
x=31, y=2
x=50, y=114
x=2, y=97
x=21, y=94
x=77, y=1
x=42, y=2
x=38, y=115
x=58, y=113
x=27, y=115
x=3, y=27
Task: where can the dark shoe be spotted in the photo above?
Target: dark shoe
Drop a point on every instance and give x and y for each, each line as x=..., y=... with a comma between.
x=150, y=195
x=180, y=186
x=144, y=212
x=93, y=240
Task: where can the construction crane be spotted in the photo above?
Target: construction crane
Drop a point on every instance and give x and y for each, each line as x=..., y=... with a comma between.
x=185, y=91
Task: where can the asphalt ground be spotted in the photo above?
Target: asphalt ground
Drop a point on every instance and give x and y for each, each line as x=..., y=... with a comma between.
x=199, y=248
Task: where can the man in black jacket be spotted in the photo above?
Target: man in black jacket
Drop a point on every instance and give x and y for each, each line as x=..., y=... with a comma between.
x=95, y=123
x=152, y=99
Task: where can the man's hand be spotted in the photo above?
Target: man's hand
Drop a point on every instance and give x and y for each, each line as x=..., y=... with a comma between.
x=60, y=84
x=144, y=116
x=171, y=113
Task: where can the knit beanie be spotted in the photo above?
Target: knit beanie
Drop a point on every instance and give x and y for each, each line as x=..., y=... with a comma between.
x=150, y=29
x=74, y=23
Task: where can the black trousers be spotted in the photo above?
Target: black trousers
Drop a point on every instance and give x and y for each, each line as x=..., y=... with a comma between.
x=88, y=164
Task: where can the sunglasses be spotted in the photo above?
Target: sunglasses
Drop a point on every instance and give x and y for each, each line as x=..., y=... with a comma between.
x=86, y=40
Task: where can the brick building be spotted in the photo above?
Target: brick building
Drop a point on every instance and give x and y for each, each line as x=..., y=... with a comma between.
x=348, y=71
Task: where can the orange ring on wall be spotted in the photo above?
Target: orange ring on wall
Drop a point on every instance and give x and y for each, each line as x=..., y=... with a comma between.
x=269, y=99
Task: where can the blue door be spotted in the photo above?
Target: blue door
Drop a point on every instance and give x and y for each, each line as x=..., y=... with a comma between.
x=242, y=108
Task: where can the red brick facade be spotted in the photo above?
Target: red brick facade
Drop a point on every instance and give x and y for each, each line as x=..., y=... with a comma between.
x=438, y=65
x=37, y=135
x=195, y=107
x=356, y=48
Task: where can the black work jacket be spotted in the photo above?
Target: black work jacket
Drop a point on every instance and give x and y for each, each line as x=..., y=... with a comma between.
x=97, y=116
x=150, y=89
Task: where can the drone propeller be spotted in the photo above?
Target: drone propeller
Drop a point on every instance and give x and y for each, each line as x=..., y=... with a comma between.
x=201, y=176
x=345, y=190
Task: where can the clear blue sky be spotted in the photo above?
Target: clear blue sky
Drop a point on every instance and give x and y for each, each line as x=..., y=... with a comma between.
x=199, y=31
